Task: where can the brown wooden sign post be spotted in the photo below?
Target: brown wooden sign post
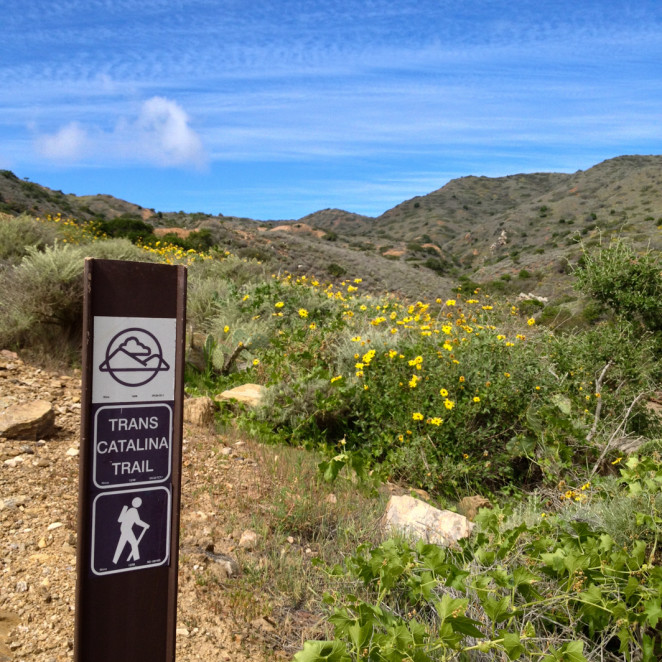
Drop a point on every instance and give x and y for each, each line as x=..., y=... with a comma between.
x=130, y=461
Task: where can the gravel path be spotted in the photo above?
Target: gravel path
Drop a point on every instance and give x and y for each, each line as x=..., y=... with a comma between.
x=38, y=509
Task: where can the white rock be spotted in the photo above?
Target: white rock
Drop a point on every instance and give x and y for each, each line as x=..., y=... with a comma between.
x=416, y=518
x=248, y=540
x=251, y=394
x=14, y=461
x=72, y=452
x=54, y=525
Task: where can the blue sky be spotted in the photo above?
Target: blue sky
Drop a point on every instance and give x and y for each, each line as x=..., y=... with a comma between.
x=273, y=109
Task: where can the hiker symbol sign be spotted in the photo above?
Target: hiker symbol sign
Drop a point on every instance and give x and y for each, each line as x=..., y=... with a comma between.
x=130, y=530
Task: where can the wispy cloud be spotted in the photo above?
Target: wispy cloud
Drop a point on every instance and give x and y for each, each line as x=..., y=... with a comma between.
x=70, y=143
x=482, y=87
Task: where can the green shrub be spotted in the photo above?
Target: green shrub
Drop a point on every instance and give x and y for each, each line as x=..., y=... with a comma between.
x=558, y=589
x=199, y=241
x=628, y=282
x=336, y=270
x=530, y=307
x=131, y=227
x=46, y=305
x=18, y=235
x=47, y=296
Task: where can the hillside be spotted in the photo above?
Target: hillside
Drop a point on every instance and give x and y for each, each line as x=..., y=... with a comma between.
x=484, y=229
x=364, y=398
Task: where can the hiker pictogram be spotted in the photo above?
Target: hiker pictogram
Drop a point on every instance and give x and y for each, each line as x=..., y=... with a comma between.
x=134, y=357
x=129, y=518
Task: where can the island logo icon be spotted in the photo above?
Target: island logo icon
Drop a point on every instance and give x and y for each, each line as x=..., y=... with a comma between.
x=134, y=357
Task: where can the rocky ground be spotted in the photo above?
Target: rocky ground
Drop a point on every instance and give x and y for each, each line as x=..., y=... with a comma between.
x=218, y=618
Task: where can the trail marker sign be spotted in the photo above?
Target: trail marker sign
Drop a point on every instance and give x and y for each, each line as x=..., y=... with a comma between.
x=130, y=461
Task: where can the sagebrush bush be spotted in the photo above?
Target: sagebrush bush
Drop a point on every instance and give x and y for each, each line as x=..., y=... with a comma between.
x=46, y=303
x=47, y=296
x=21, y=233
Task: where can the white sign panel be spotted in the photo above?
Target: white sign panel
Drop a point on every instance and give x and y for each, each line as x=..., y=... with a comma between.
x=134, y=359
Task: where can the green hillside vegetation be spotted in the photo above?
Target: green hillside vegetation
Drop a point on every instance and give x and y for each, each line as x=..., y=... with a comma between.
x=485, y=231
x=462, y=392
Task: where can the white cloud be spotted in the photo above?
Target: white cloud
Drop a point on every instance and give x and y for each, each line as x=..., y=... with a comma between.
x=160, y=134
x=67, y=144
x=164, y=131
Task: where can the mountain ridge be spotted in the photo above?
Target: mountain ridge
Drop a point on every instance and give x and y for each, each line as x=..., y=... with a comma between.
x=473, y=227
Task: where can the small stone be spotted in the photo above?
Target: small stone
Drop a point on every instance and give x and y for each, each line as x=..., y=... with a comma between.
x=226, y=451
x=290, y=539
x=182, y=632
x=199, y=411
x=29, y=420
x=21, y=587
x=14, y=461
x=10, y=503
x=248, y=540
x=42, y=544
x=332, y=498
x=72, y=452
x=54, y=525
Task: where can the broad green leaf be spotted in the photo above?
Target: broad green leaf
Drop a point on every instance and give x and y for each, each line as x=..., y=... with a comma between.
x=648, y=648
x=523, y=576
x=323, y=651
x=359, y=635
x=554, y=560
x=563, y=403
x=466, y=626
x=497, y=610
x=512, y=645
x=653, y=611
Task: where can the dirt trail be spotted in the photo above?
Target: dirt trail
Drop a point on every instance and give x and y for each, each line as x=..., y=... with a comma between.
x=38, y=508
